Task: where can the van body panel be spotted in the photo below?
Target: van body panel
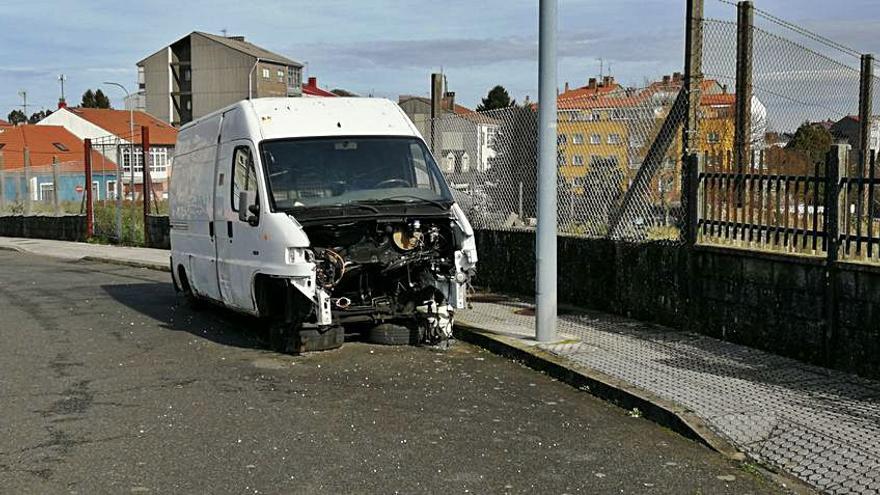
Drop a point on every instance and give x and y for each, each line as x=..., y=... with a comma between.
x=191, y=205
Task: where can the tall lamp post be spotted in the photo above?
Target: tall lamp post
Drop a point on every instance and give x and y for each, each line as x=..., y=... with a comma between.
x=545, y=291
x=131, y=167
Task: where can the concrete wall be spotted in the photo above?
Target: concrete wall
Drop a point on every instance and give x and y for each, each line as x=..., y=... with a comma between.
x=157, y=85
x=219, y=75
x=273, y=86
x=66, y=228
x=771, y=302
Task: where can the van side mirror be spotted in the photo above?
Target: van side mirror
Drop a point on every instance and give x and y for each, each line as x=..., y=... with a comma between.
x=247, y=211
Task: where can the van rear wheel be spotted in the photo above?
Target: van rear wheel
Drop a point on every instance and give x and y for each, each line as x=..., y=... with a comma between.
x=188, y=295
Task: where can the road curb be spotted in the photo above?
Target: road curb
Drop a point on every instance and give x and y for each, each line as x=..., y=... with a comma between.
x=129, y=263
x=620, y=393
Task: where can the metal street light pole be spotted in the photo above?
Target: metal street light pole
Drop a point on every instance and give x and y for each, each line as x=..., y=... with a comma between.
x=131, y=166
x=545, y=269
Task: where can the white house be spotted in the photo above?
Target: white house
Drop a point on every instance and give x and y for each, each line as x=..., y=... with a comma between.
x=110, y=132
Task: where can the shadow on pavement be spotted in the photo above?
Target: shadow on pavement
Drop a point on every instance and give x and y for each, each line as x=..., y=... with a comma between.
x=159, y=302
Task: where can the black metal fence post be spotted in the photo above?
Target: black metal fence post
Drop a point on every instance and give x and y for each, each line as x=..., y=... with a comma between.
x=835, y=168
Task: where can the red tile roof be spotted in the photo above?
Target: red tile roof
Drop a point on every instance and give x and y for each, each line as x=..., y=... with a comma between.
x=45, y=142
x=117, y=122
x=598, y=90
x=716, y=100
x=3, y=123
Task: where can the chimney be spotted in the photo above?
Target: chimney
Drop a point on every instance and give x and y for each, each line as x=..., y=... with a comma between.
x=566, y=86
x=449, y=101
x=63, y=104
x=236, y=38
x=592, y=83
x=313, y=82
x=677, y=76
x=606, y=81
x=665, y=80
x=724, y=89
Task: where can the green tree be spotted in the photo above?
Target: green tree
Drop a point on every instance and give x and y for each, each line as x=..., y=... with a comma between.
x=95, y=99
x=812, y=140
x=101, y=100
x=16, y=117
x=38, y=116
x=497, y=98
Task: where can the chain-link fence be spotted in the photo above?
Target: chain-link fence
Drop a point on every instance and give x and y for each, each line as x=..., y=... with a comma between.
x=618, y=155
x=766, y=184
x=35, y=188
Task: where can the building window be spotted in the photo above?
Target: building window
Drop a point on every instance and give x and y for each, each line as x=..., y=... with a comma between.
x=60, y=146
x=595, y=139
x=561, y=160
x=111, y=189
x=294, y=77
x=614, y=139
x=577, y=160
x=265, y=73
x=96, y=190
x=577, y=139
x=280, y=74
x=187, y=75
x=713, y=137
x=159, y=159
x=46, y=191
x=596, y=116
x=561, y=139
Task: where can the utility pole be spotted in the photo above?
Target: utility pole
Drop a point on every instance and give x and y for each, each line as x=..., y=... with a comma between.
x=601, y=67
x=545, y=255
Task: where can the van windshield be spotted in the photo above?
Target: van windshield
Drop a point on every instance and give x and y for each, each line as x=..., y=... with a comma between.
x=344, y=170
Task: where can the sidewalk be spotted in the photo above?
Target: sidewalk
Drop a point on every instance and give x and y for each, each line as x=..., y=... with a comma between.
x=155, y=259
x=817, y=425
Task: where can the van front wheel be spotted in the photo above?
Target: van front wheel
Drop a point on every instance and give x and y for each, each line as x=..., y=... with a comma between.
x=281, y=337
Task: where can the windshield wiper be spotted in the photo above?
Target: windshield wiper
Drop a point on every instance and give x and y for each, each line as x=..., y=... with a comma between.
x=399, y=198
x=359, y=204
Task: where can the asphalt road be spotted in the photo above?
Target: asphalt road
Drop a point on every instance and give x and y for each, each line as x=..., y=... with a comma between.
x=109, y=385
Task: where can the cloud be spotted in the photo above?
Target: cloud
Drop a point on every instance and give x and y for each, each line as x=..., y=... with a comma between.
x=480, y=52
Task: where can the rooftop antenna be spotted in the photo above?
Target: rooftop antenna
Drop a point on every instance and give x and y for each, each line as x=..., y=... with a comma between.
x=224, y=32
x=601, y=67
x=62, y=78
x=23, y=94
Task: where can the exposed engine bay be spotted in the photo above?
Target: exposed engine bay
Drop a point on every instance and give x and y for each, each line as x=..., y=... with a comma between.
x=405, y=269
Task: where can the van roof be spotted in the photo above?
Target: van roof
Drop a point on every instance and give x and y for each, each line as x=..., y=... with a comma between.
x=278, y=118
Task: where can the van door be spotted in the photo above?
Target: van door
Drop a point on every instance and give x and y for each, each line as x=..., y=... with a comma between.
x=238, y=242
x=195, y=189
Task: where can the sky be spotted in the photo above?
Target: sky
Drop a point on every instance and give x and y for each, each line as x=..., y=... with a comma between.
x=379, y=47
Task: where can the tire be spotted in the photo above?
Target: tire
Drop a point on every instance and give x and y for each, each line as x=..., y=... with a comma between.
x=191, y=299
x=395, y=334
x=289, y=339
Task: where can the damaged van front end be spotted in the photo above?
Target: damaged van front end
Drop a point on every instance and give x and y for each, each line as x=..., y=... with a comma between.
x=381, y=240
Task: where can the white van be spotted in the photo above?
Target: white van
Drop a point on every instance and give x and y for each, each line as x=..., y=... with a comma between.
x=311, y=213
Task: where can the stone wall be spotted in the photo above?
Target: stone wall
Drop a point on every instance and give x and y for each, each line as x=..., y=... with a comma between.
x=772, y=302
x=65, y=228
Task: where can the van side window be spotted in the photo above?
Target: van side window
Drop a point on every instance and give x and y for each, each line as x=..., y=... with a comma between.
x=244, y=176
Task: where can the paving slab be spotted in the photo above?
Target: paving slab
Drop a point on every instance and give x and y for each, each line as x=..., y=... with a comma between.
x=818, y=425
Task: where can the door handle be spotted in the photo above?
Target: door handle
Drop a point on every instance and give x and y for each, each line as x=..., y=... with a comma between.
x=229, y=229
x=211, y=229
